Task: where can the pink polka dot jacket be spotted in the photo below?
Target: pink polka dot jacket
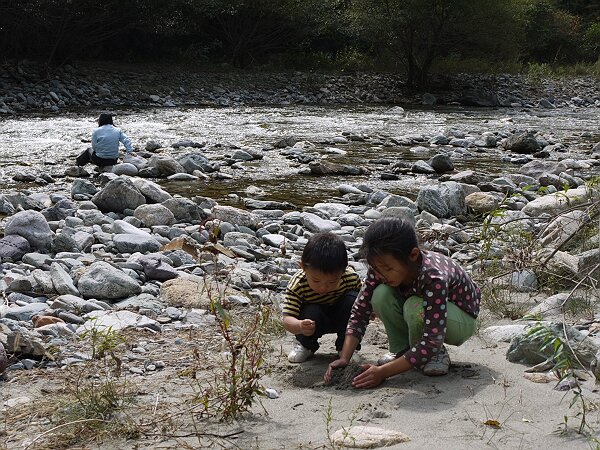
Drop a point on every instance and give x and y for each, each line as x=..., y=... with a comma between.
x=440, y=280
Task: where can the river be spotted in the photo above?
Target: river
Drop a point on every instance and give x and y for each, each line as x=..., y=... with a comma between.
x=46, y=143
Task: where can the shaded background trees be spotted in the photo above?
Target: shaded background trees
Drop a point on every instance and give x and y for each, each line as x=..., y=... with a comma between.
x=413, y=36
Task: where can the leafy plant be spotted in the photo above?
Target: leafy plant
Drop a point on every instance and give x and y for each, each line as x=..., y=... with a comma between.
x=236, y=385
x=565, y=365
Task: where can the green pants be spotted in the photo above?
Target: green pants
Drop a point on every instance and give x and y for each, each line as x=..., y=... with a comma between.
x=404, y=318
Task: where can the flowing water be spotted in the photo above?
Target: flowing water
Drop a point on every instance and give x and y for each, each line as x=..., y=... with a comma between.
x=47, y=143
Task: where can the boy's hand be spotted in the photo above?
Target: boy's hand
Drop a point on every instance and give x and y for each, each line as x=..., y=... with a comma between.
x=307, y=327
x=334, y=365
x=370, y=378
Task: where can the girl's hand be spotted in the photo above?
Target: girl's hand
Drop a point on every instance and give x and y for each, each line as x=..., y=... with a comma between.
x=334, y=365
x=307, y=327
x=370, y=378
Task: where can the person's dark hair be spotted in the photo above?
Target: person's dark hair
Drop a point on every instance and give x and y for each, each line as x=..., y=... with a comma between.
x=105, y=119
x=325, y=252
x=389, y=235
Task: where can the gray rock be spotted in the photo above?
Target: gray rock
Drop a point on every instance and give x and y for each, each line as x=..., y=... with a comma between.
x=430, y=199
x=13, y=247
x=155, y=214
x=118, y=195
x=152, y=191
x=528, y=349
x=116, y=321
x=469, y=177
x=523, y=143
x=441, y=163
x=324, y=167
x=125, y=169
x=103, y=281
x=524, y=280
x=316, y=224
x=503, y=333
x=421, y=166
x=31, y=225
x=537, y=168
x=3, y=359
x=61, y=210
x=75, y=304
x=122, y=227
x=236, y=216
x=563, y=228
x=185, y=210
x=165, y=165
x=83, y=188
x=274, y=240
x=556, y=203
x=552, y=306
x=131, y=243
x=23, y=313
x=401, y=212
x=155, y=268
x=398, y=201
x=63, y=284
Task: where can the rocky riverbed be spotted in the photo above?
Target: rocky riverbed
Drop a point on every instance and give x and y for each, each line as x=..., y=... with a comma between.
x=124, y=251
x=27, y=87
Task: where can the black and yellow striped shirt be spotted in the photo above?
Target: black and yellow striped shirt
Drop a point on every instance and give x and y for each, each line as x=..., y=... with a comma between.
x=298, y=292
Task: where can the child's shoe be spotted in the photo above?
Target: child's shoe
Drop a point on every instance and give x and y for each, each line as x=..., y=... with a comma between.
x=299, y=354
x=438, y=364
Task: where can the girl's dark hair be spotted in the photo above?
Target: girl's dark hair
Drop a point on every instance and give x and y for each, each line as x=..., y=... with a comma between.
x=389, y=235
x=325, y=252
x=105, y=119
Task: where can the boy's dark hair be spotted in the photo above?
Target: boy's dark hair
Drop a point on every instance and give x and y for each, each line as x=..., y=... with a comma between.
x=325, y=252
x=389, y=235
x=105, y=119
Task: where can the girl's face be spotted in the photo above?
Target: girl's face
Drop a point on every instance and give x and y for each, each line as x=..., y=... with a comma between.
x=394, y=272
x=320, y=282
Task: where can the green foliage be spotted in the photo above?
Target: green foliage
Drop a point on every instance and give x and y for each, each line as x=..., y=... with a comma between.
x=236, y=387
x=565, y=365
x=409, y=35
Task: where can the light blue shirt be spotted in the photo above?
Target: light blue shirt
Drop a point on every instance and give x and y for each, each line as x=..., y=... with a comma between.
x=105, y=142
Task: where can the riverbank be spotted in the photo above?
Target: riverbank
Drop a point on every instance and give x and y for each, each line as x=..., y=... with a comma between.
x=28, y=89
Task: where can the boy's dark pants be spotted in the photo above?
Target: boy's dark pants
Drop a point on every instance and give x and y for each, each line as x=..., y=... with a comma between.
x=328, y=319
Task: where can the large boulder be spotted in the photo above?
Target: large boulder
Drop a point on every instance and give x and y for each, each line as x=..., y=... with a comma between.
x=118, y=195
x=482, y=202
x=103, y=281
x=330, y=168
x=31, y=225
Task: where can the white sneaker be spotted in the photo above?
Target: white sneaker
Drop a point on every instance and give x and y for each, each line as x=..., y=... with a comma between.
x=299, y=354
x=439, y=364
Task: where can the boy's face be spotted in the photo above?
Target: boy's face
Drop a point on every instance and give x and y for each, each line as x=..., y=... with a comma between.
x=322, y=283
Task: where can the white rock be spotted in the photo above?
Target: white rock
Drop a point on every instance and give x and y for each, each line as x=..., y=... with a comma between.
x=367, y=437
